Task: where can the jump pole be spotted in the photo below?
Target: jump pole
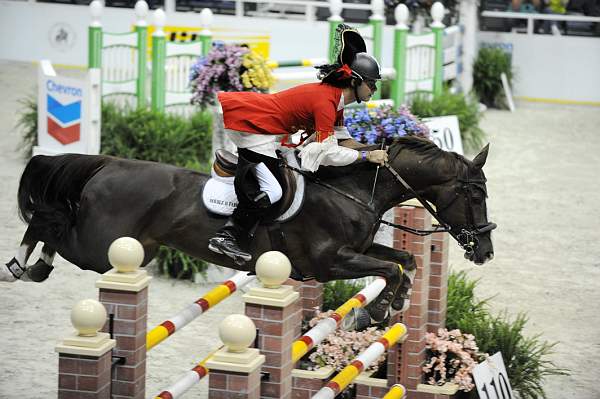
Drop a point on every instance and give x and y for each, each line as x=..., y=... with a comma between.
x=345, y=377
x=167, y=328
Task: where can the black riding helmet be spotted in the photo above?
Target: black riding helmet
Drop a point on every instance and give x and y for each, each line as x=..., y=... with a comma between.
x=365, y=67
x=351, y=53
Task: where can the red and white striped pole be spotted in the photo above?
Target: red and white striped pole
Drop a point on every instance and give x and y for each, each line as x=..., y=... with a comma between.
x=213, y=297
x=188, y=380
x=327, y=326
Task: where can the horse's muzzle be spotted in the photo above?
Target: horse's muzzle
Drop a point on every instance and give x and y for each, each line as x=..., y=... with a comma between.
x=472, y=256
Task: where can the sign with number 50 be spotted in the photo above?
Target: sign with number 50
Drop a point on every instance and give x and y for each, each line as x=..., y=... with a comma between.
x=491, y=379
x=445, y=133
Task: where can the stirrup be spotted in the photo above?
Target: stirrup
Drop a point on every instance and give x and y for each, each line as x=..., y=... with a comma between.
x=219, y=245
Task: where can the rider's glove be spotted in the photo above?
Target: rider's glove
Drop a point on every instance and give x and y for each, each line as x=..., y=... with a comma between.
x=377, y=156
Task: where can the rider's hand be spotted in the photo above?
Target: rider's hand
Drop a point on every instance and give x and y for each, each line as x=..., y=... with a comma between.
x=377, y=156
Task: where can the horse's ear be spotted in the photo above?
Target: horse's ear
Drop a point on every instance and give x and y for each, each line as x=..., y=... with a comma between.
x=479, y=160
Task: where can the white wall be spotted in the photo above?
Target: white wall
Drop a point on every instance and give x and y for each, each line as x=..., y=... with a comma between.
x=547, y=67
x=553, y=67
x=25, y=29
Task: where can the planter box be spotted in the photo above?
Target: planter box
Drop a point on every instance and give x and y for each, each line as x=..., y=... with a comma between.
x=306, y=383
x=370, y=388
x=448, y=389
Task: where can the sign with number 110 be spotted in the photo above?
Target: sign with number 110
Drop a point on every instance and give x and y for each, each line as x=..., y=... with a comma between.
x=491, y=379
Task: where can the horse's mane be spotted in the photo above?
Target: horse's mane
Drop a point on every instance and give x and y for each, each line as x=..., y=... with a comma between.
x=419, y=145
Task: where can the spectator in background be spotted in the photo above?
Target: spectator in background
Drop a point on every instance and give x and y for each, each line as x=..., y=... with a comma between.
x=590, y=8
x=527, y=6
x=553, y=7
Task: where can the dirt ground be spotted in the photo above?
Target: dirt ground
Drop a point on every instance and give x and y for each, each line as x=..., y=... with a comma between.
x=542, y=181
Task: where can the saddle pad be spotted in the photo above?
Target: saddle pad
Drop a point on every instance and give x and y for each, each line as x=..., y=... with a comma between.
x=219, y=195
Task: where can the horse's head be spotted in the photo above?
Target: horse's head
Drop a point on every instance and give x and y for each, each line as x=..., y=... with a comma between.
x=462, y=205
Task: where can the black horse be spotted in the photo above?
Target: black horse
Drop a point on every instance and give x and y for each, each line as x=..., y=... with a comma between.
x=77, y=205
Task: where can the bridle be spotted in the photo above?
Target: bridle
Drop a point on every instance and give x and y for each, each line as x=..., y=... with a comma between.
x=465, y=235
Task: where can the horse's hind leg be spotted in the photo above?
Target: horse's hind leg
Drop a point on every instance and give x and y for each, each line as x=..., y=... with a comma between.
x=16, y=268
x=40, y=271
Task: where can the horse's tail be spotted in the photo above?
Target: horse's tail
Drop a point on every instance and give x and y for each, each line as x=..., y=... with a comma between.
x=50, y=188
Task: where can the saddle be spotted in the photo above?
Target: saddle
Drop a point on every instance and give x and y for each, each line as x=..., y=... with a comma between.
x=223, y=173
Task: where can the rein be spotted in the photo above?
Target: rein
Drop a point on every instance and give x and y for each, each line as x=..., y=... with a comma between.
x=466, y=237
x=369, y=207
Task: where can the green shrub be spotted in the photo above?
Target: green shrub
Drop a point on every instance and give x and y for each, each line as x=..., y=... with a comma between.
x=525, y=357
x=147, y=135
x=27, y=123
x=487, y=68
x=156, y=136
x=462, y=305
x=464, y=107
x=335, y=293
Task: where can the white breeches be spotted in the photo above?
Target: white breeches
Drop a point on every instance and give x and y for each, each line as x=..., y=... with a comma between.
x=268, y=183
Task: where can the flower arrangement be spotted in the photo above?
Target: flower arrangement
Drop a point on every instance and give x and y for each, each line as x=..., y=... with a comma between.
x=371, y=126
x=228, y=67
x=452, y=356
x=341, y=347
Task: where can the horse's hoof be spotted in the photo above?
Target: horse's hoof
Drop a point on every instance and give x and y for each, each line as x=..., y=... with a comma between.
x=400, y=305
x=356, y=320
x=378, y=312
x=40, y=271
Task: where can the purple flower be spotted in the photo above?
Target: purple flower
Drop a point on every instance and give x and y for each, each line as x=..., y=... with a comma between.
x=219, y=70
x=383, y=123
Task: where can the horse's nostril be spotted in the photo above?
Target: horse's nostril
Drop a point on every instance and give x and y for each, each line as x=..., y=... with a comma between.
x=490, y=255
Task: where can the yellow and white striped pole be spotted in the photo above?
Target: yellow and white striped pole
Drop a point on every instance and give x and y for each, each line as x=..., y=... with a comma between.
x=304, y=62
x=396, y=392
x=213, y=297
x=345, y=377
x=327, y=326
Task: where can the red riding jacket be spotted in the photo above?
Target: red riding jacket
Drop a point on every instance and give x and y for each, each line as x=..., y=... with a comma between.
x=311, y=107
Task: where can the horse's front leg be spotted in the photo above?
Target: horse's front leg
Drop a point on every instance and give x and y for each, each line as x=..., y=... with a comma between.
x=349, y=264
x=407, y=261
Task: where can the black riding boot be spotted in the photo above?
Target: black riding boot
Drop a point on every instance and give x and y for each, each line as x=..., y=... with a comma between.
x=226, y=241
x=237, y=228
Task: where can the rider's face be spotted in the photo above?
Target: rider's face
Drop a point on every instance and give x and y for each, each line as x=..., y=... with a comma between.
x=366, y=89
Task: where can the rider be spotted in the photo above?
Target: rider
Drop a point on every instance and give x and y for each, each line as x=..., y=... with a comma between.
x=254, y=121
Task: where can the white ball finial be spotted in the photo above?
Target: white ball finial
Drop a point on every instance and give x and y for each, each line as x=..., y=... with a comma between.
x=159, y=20
x=237, y=332
x=96, y=8
x=401, y=14
x=377, y=8
x=88, y=316
x=335, y=7
x=141, y=12
x=126, y=254
x=437, y=13
x=206, y=18
x=273, y=268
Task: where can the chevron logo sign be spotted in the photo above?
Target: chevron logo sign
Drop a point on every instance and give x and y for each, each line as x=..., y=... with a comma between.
x=64, y=120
